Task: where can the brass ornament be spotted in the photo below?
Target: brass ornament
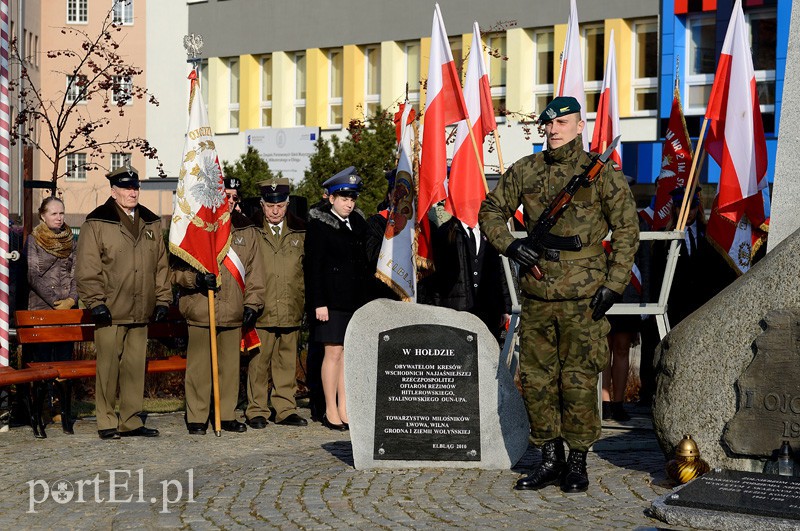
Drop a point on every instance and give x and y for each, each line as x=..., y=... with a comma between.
x=687, y=463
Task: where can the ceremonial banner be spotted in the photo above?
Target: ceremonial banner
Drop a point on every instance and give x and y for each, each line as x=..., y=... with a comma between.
x=570, y=81
x=676, y=162
x=466, y=188
x=396, y=260
x=738, y=241
x=606, y=125
x=445, y=106
x=201, y=224
x=736, y=134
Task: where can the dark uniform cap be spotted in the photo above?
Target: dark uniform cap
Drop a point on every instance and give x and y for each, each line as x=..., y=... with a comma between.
x=344, y=181
x=678, y=193
x=274, y=190
x=232, y=183
x=560, y=106
x=124, y=177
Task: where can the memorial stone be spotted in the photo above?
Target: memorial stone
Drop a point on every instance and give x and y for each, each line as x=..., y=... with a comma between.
x=425, y=388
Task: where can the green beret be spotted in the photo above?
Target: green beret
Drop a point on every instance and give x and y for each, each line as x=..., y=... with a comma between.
x=560, y=106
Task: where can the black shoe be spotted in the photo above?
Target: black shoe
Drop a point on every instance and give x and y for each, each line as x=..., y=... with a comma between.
x=234, y=426
x=257, y=423
x=606, y=410
x=108, y=434
x=575, y=478
x=618, y=412
x=141, y=431
x=330, y=425
x=549, y=470
x=196, y=428
x=293, y=420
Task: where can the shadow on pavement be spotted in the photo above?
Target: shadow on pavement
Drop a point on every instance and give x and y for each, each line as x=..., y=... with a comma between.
x=342, y=450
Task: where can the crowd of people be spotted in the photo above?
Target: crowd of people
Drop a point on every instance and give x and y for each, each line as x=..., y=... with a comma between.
x=285, y=270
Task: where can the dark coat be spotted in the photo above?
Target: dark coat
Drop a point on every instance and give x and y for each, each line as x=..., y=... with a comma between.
x=376, y=289
x=455, y=283
x=336, y=261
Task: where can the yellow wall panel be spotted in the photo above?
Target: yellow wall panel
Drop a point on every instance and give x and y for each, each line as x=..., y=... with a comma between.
x=559, y=36
x=316, y=88
x=424, y=62
x=249, y=92
x=283, y=81
x=218, y=95
x=393, y=75
x=519, y=78
x=353, y=106
x=623, y=42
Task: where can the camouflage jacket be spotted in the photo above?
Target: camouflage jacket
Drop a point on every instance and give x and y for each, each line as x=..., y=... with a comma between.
x=607, y=204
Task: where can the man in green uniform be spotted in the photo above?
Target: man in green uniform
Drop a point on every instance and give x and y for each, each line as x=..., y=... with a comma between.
x=282, y=249
x=122, y=274
x=563, y=329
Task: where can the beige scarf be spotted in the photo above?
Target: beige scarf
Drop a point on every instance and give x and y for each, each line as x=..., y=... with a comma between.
x=59, y=244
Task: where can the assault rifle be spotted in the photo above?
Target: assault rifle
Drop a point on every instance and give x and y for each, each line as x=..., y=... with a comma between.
x=540, y=236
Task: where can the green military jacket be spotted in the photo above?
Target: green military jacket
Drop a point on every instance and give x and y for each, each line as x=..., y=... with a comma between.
x=607, y=204
x=283, y=261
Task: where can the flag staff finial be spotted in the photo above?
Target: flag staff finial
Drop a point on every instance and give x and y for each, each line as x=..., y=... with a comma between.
x=193, y=44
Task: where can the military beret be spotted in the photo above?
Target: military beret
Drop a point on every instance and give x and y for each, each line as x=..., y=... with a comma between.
x=344, y=181
x=560, y=106
x=232, y=183
x=679, y=192
x=274, y=190
x=124, y=177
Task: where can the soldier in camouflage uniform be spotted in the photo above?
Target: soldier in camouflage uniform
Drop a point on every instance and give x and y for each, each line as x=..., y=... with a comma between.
x=563, y=329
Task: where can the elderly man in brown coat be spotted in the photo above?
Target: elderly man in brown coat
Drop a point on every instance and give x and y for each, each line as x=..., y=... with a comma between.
x=122, y=275
x=282, y=248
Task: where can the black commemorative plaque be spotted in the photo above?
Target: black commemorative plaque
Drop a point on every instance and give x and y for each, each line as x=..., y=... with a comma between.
x=426, y=403
x=742, y=492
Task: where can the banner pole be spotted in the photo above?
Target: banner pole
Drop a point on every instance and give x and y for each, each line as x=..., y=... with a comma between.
x=212, y=329
x=691, y=184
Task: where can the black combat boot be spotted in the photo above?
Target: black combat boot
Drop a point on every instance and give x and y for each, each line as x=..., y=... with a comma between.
x=549, y=470
x=575, y=478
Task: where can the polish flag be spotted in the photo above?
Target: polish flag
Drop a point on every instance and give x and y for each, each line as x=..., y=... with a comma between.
x=606, y=125
x=466, y=186
x=570, y=82
x=445, y=106
x=739, y=239
x=736, y=135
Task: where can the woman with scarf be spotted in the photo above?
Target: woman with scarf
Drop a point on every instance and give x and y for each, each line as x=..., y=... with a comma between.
x=51, y=271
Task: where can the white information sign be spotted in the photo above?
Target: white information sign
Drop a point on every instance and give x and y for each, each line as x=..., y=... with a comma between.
x=287, y=150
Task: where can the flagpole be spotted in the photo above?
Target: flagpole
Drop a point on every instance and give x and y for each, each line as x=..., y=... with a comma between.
x=684, y=212
x=477, y=154
x=499, y=152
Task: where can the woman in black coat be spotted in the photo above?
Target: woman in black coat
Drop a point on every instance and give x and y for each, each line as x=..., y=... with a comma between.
x=336, y=275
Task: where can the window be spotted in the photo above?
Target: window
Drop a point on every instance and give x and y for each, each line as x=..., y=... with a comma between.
x=701, y=62
x=77, y=11
x=76, y=167
x=123, y=12
x=76, y=88
x=372, y=77
x=594, y=52
x=335, y=87
x=497, y=73
x=300, y=89
x=266, y=91
x=119, y=160
x=763, y=31
x=412, y=73
x=645, y=68
x=233, y=94
x=122, y=89
x=542, y=69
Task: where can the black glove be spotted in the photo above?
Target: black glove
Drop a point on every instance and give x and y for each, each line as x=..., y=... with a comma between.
x=249, y=317
x=524, y=253
x=160, y=314
x=604, y=298
x=206, y=281
x=101, y=315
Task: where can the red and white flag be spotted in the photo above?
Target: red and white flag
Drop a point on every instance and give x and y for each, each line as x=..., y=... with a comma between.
x=466, y=188
x=676, y=163
x=606, y=125
x=570, y=82
x=445, y=106
x=200, y=231
x=736, y=135
x=738, y=241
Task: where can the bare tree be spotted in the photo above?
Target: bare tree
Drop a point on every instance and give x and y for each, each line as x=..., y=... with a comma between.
x=67, y=125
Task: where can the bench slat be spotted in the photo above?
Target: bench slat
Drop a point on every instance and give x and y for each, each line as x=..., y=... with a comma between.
x=9, y=376
x=69, y=370
x=55, y=334
x=52, y=317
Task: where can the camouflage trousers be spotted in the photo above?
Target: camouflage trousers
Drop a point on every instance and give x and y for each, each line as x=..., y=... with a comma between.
x=562, y=352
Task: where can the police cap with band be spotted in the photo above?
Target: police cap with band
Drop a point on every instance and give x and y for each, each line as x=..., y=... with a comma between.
x=274, y=190
x=344, y=181
x=560, y=106
x=232, y=183
x=124, y=177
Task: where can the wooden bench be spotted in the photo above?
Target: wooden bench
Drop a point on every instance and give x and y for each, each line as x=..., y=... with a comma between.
x=22, y=378
x=54, y=326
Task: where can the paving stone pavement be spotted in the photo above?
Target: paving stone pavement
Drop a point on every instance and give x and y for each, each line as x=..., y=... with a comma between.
x=286, y=477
